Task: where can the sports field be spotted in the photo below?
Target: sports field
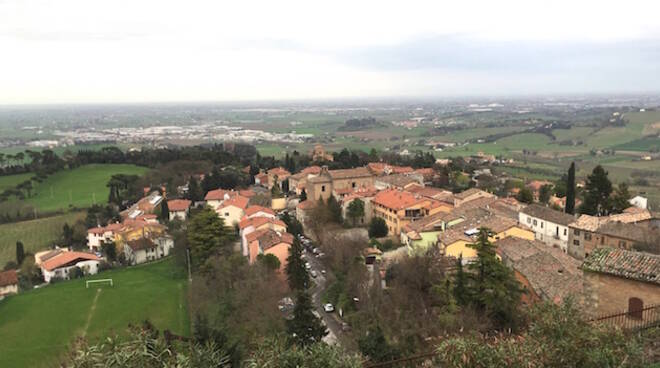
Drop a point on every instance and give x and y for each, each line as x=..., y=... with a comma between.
x=38, y=326
x=80, y=187
x=34, y=234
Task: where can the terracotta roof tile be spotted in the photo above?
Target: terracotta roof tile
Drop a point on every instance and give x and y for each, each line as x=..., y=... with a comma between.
x=177, y=205
x=8, y=278
x=624, y=263
x=251, y=210
x=236, y=201
x=65, y=258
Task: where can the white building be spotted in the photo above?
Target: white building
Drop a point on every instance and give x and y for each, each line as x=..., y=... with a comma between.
x=549, y=226
x=97, y=235
x=145, y=249
x=60, y=264
x=639, y=202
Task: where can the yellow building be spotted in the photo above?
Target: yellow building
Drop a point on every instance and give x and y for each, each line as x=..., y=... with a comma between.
x=398, y=208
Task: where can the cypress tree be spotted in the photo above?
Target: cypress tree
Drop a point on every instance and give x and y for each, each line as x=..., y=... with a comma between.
x=20, y=252
x=570, y=190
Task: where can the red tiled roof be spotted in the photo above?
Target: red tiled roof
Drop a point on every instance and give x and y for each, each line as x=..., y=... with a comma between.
x=65, y=258
x=8, y=278
x=216, y=195
x=254, y=209
x=177, y=205
x=258, y=221
x=396, y=199
x=306, y=205
x=311, y=170
x=236, y=201
x=249, y=193
x=270, y=238
x=280, y=172
x=255, y=235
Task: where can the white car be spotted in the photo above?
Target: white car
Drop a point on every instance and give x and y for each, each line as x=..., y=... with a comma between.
x=328, y=308
x=307, y=265
x=323, y=272
x=313, y=274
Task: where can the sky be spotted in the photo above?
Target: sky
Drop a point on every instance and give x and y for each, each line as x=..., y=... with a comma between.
x=113, y=51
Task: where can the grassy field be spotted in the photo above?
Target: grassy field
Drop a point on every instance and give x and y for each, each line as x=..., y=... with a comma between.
x=80, y=187
x=11, y=181
x=37, y=327
x=35, y=234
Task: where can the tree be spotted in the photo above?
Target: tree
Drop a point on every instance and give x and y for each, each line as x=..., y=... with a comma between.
x=544, y=193
x=278, y=352
x=621, y=198
x=296, y=272
x=67, y=235
x=194, y=191
x=285, y=186
x=303, y=195
x=207, y=235
x=20, y=253
x=270, y=261
x=461, y=283
x=597, y=193
x=570, y=190
x=374, y=346
x=356, y=210
x=377, y=228
x=110, y=251
x=493, y=287
x=335, y=210
x=275, y=191
x=164, y=211
x=293, y=226
x=525, y=196
x=305, y=327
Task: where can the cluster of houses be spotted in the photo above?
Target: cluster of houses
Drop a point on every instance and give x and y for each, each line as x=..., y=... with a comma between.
x=552, y=253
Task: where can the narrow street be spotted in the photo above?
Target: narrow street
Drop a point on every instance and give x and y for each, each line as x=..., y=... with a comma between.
x=331, y=320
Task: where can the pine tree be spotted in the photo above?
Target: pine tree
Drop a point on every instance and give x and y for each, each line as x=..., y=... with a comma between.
x=356, y=210
x=493, y=287
x=20, y=253
x=620, y=198
x=164, y=211
x=335, y=210
x=597, y=193
x=570, y=190
x=194, y=191
x=296, y=272
x=461, y=283
x=305, y=327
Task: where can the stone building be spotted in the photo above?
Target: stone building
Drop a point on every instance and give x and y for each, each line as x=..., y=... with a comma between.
x=322, y=186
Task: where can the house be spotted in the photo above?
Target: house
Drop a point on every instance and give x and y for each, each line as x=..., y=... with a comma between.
x=639, y=202
x=318, y=154
x=269, y=241
x=303, y=210
x=146, y=205
x=398, y=208
x=136, y=229
x=96, y=236
x=434, y=193
x=259, y=211
x=549, y=226
x=8, y=283
x=470, y=195
x=455, y=240
x=419, y=235
x=251, y=224
x=584, y=235
x=261, y=179
x=398, y=181
x=147, y=249
x=61, y=264
x=232, y=210
x=545, y=273
x=298, y=182
x=365, y=195
x=179, y=209
x=277, y=175
x=214, y=198
x=617, y=280
x=381, y=168
x=323, y=185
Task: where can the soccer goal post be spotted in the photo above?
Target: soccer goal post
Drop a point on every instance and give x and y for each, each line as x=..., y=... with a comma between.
x=98, y=281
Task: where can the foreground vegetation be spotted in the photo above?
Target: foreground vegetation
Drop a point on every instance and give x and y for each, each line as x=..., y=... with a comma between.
x=42, y=324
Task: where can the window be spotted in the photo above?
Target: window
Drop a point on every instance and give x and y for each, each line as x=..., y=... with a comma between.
x=565, y=231
x=587, y=235
x=323, y=188
x=534, y=222
x=529, y=220
x=602, y=240
x=622, y=243
x=635, y=308
x=541, y=224
x=576, y=232
x=576, y=242
x=226, y=214
x=353, y=184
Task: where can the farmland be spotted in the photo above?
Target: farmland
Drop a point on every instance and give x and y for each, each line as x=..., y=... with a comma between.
x=80, y=187
x=42, y=323
x=34, y=234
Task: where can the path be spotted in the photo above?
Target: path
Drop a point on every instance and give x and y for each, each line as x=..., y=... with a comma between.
x=91, y=312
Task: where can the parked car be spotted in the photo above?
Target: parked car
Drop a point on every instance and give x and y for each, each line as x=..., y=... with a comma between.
x=328, y=308
x=307, y=265
x=313, y=274
x=323, y=272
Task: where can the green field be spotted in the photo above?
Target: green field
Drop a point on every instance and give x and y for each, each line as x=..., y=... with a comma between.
x=12, y=181
x=35, y=234
x=37, y=327
x=80, y=187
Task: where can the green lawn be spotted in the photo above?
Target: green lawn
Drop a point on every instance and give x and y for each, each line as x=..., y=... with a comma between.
x=80, y=187
x=37, y=327
x=35, y=234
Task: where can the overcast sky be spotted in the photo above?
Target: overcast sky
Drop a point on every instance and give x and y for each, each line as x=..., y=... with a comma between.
x=54, y=51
